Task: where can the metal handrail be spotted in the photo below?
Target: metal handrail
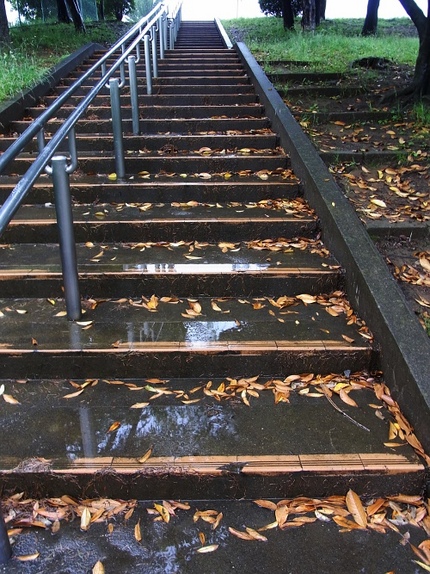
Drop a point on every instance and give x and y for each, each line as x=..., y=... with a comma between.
x=161, y=15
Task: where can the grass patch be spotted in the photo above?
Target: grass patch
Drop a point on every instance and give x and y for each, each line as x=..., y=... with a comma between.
x=35, y=48
x=332, y=47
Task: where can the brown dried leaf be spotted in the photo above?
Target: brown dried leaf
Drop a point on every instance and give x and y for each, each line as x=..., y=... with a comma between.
x=239, y=534
x=10, y=399
x=28, y=557
x=85, y=519
x=145, y=457
x=355, y=507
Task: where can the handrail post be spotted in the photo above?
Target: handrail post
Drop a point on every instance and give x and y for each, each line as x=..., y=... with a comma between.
x=154, y=51
x=63, y=208
x=161, y=35
x=133, y=95
x=147, y=65
x=115, y=103
x=5, y=547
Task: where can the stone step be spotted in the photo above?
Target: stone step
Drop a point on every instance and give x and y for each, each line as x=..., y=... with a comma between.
x=151, y=126
x=186, y=88
x=196, y=524
x=186, y=164
x=182, y=337
x=164, y=188
x=250, y=110
x=240, y=435
x=186, y=221
x=174, y=143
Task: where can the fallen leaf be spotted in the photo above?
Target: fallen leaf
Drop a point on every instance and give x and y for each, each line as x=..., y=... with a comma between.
x=207, y=549
x=28, y=557
x=137, y=531
x=10, y=399
x=98, y=568
x=114, y=426
x=85, y=519
x=355, y=507
x=145, y=457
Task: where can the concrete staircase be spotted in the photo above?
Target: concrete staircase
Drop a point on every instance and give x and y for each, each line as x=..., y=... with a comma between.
x=217, y=356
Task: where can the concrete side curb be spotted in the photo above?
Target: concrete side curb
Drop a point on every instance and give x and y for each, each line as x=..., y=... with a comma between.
x=223, y=33
x=404, y=346
x=12, y=110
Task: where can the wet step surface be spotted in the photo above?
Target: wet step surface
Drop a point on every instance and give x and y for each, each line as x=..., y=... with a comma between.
x=176, y=546
x=203, y=265
x=111, y=424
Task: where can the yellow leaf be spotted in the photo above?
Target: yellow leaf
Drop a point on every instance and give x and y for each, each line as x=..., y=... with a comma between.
x=28, y=557
x=145, y=457
x=112, y=176
x=354, y=506
x=84, y=323
x=10, y=399
x=378, y=202
x=61, y=314
x=85, y=519
x=305, y=298
x=73, y=395
x=114, y=426
x=139, y=405
x=207, y=549
x=137, y=532
x=164, y=513
x=98, y=568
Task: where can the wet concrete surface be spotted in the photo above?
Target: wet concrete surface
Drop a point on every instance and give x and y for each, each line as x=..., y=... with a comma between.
x=172, y=548
x=175, y=422
x=37, y=325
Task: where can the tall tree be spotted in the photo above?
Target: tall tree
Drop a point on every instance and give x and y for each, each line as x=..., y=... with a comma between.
x=421, y=82
x=370, y=25
x=287, y=14
x=4, y=26
x=75, y=11
x=309, y=18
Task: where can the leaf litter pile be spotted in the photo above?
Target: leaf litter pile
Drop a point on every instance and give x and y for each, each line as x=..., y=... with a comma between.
x=212, y=530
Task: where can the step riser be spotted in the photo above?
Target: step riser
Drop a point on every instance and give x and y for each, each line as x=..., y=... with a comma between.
x=194, y=88
x=172, y=363
x=212, y=231
x=155, y=142
x=192, y=486
x=170, y=100
x=167, y=192
x=106, y=165
x=116, y=286
x=151, y=112
x=164, y=126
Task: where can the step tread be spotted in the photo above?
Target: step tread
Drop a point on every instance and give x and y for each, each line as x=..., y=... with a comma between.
x=174, y=547
x=147, y=257
x=222, y=424
x=262, y=324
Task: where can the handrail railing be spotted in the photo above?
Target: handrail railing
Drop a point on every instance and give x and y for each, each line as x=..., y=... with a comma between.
x=163, y=17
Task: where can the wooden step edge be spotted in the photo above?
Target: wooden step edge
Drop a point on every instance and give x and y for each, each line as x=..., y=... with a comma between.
x=199, y=347
x=344, y=463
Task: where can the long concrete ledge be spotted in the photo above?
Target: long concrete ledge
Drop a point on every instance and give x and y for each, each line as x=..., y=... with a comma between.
x=404, y=346
x=12, y=110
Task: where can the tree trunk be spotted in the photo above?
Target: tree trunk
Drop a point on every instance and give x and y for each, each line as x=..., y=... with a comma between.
x=321, y=9
x=309, y=18
x=287, y=15
x=422, y=65
x=4, y=26
x=101, y=10
x=371, y=22
x=62, y=14
x=416, y=15
x=76, y=15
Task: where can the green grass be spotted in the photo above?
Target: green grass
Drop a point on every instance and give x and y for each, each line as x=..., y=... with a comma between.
x=36, y=48
x=332, y=48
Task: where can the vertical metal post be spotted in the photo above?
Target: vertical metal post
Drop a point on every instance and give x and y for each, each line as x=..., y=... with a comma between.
x=154, y=51
x=63, y=208
x=171, y=34
x=161, y=35
x=115, y=104
x=133, y=95
x=148, y=65
x=5, y=548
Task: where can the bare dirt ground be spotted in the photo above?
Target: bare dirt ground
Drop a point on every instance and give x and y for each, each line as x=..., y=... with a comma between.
x=378, y=151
